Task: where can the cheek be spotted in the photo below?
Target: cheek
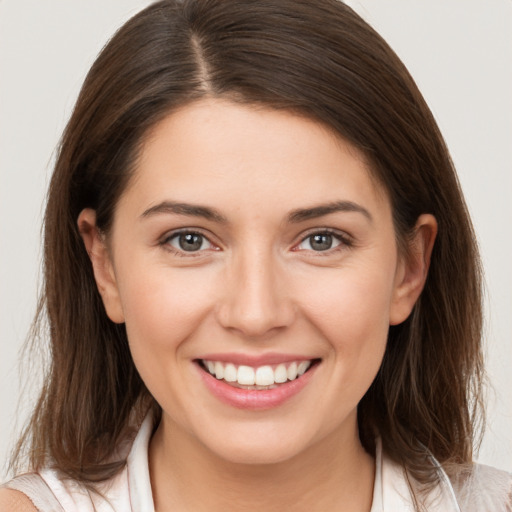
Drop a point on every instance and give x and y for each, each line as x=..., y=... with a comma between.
x=351, y=312
x=162, y=306
x=350, y=306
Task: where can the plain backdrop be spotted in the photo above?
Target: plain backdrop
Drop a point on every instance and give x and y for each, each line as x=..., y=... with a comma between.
x=459, y=52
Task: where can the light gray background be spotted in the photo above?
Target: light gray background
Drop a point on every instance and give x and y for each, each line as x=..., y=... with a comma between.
x=459, y=51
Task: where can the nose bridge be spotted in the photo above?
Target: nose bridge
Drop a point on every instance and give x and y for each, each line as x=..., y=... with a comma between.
x=255, y=301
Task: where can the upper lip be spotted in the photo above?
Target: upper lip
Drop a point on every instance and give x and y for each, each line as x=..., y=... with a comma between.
x=255, y=360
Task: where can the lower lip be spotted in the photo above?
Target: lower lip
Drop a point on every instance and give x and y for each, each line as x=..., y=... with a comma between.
x=252, y=399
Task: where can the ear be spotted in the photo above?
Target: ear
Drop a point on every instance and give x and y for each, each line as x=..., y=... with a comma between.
x=101, y=263
x=412, y=269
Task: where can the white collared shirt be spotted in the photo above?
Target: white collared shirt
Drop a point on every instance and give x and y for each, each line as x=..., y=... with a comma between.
x=485, y=489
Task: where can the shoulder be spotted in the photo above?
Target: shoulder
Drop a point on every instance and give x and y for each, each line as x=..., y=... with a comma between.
x=482, y=487
x=32, y=494
x=15, y=501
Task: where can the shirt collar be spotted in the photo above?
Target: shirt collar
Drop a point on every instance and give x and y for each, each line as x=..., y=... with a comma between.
x=139, y=484
x=390, y=491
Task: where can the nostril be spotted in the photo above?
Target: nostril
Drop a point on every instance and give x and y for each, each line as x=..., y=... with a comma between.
x=255, y=320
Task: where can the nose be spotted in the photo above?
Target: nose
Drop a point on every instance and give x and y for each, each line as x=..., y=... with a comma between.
x=255, y=301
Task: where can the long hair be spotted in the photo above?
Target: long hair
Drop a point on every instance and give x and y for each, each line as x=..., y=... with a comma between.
x=318, y=59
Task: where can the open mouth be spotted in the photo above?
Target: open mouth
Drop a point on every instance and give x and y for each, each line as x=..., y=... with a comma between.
x=257, y=378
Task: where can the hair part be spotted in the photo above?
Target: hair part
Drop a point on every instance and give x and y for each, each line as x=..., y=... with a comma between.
x=318, y=59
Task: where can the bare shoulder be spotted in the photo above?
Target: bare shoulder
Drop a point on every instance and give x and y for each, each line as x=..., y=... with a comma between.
x=15, y=501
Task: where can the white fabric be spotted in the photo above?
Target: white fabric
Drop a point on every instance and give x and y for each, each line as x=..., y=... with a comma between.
x=484, y=489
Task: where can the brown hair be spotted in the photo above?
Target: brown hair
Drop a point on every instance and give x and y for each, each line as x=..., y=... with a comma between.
x=315, y=58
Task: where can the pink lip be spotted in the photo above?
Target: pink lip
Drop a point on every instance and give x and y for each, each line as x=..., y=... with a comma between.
x=250, y=399
x=255, y=360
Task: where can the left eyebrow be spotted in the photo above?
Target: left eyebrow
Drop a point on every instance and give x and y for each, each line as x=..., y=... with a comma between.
x=303, y=214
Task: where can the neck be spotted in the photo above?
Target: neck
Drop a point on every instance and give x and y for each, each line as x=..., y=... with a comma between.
x=332, y=475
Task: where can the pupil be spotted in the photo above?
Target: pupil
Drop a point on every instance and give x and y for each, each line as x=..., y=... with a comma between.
x=190, y=242
x=321, y=242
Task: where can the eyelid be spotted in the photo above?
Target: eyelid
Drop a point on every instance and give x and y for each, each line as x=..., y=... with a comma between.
x=346, y=241
x=169, y=235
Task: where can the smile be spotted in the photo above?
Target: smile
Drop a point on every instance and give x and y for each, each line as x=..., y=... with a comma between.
x=259, y=378
x=253, y=385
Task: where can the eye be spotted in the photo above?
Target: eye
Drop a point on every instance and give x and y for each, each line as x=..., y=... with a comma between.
x=189, y=241
x=319, y=242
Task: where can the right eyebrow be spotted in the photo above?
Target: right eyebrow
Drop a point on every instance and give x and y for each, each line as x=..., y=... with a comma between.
x=194, y=210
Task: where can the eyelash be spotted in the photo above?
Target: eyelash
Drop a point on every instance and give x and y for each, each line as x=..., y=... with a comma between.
x=345, y=242
x=165, y=243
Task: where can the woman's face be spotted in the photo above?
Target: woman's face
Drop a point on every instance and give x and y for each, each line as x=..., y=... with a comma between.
x=251, y=245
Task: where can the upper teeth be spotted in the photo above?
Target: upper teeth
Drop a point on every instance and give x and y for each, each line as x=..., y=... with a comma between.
x=261, y=376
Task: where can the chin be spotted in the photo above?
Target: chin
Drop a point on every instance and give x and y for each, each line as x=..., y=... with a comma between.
x=260, y=447
x=256, y=455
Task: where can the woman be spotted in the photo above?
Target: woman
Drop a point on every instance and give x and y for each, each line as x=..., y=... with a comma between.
x=261, y=279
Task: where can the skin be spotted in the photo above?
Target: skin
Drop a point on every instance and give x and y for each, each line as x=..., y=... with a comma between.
x=15, y=501
x=256, y=286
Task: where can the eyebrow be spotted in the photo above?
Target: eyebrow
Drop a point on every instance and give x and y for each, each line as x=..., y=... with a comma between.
x=304, y=214
x=296, y=216
x=185, y=209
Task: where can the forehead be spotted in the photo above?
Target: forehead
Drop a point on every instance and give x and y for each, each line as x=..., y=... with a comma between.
x=243, y=157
